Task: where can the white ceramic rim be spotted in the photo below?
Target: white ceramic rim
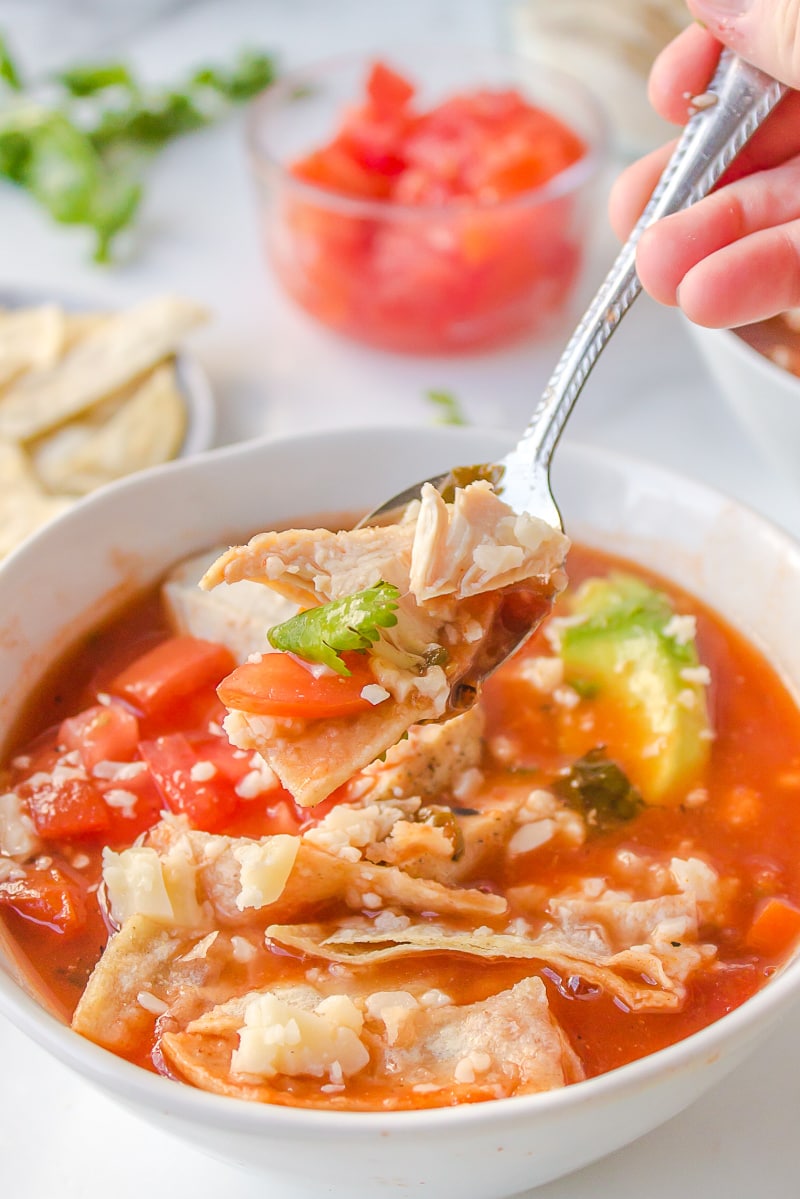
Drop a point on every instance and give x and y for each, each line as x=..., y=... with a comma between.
x=747, y=355
x=133, y=1085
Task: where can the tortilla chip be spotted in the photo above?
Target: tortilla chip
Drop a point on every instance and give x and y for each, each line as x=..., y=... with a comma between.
x=650, y=988
x=79, y=325
x=140, y=430
x=120, y=349
x=30, y=339
x=24, y=506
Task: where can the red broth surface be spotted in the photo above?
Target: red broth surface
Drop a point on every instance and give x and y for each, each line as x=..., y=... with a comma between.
x=743, y=821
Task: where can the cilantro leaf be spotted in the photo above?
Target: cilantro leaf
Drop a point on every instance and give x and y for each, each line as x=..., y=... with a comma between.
x=322, y=634
x=86, y=81
x=449, y=409
x=82, y=160
x=249, y=76
x=8, y=68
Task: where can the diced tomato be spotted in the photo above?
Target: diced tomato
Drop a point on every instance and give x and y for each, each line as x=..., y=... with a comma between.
x=415, y=280
x=173, y=670
x=46, y=897
x=134, y=804
x=280, y=685
x=65, y=806
x=775, y=928
x=105, y=733
x=336, y=169
x=232, y=763
x=188, y=783
x=387, y=90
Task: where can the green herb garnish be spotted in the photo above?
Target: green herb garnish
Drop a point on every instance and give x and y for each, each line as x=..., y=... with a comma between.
x=600, y=790
x=449, y=411
x=81, y=154
x=322, y=634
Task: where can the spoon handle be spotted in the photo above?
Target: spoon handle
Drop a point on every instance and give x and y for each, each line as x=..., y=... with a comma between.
x=743, y=97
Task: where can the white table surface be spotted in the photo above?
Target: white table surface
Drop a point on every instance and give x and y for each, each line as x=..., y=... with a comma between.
x=275, y=372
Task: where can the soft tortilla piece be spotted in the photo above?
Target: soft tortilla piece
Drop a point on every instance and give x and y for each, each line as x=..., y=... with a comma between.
x=512, y=1038
x=145, y=429
x=429, y=763
x=515, y=1030
x=313, y=758
x=30, y=339
x=140, y=957
x=624, y=974
x=316, y=877
x=24, y=506
x=119, y=350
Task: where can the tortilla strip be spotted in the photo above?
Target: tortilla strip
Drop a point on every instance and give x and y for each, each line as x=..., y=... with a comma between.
x=317, y=876
x=429, y=763
x=318, y=756
x=520, y=1048
x=145, y=429
x=366, y=944
x=121, y=348
x=140, y=957
x=24, y=506
x=30, y=338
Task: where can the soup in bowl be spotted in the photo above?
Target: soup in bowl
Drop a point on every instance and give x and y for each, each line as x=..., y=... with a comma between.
x=511, y=943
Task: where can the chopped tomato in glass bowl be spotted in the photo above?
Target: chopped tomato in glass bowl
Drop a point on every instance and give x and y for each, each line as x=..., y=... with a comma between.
x=435, y=207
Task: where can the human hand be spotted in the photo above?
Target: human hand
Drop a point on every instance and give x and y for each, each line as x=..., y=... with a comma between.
x=734, y=257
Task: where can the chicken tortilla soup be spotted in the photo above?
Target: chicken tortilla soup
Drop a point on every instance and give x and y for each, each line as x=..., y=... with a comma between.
x=290, y=868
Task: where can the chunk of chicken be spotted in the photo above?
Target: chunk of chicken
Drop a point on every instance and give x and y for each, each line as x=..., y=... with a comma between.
x=452, y=565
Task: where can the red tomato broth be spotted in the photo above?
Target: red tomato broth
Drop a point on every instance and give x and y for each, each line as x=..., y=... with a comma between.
x=757, y=751
x=458, y=246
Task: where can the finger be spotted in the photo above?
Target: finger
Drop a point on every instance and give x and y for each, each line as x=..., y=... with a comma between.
x=633, y=188
x=777, y=141
x=671, y=249
x=765, y=32
x=682, y=70
x=745, y=282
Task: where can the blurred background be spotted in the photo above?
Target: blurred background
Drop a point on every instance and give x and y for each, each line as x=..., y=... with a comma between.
x=197, y=230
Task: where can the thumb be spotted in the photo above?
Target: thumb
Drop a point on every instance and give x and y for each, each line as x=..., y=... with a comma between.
x=765, y=32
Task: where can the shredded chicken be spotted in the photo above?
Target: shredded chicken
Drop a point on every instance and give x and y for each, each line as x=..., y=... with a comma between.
x=451, y=564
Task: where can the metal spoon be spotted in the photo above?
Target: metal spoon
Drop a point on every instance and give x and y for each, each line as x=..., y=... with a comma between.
x=739, y=98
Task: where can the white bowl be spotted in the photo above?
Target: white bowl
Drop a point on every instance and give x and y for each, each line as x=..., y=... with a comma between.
x=764, y=396
x=62, y=581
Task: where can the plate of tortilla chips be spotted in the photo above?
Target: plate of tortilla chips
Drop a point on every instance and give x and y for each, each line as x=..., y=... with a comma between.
x=88, y=396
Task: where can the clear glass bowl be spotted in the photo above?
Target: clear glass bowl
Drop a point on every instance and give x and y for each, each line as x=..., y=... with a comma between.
x=442, y=278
